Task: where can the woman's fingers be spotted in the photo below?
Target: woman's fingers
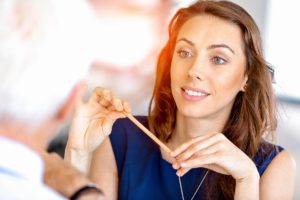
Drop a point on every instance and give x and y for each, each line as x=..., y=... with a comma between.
x=107, y=94
x=120, y=105
x=200, y=161
x=107, y=125
x=216, y=153
x=205, y=152
x=209, y=150
x=126, y=106
x=101, y=95
x=104, y=98
x=198, y=146
x=97, y=94
x=203, y=157
x=117, y=104
x=216, y=157
x=213, y=167
x=182, y=171
x=210, y=161
x=104, y=103
x=186, y=145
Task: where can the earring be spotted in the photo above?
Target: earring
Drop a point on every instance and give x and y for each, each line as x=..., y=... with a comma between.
x=244, y=88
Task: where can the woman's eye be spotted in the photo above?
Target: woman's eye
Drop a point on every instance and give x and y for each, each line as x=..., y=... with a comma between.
x=184, y=54
x=218, y=60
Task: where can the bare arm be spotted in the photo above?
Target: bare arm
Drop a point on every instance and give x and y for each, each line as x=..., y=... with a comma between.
x=91, y=124
x=248, y=188
x=89, y=149
x=80, y=159
x=104, y=170
x=65, y=179
x=278, y=181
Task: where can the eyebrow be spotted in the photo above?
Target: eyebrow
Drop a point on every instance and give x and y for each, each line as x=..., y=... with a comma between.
x=187, y=41
x=213, y=46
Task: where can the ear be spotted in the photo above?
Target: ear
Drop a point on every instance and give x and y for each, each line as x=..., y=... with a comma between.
x=69, y=104
x=244, y=85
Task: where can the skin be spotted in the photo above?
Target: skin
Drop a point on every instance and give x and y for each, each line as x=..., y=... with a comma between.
x=95, y=118
x=65, y=179
x=209, y=57
x=59, y=175
x=210, y=60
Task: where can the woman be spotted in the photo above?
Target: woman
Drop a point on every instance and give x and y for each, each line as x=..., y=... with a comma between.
x=212, y=104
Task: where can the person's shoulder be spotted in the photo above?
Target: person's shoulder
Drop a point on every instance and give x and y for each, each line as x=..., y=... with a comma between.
x=265, y=154
x=282, y=159
x=124, y=123
x=129, y=143
x=280, y=176
x=125, y=131
x=268, y=150
x=285, y=159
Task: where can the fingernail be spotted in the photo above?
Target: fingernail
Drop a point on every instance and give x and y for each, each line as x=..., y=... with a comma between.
x=178, y=173
x=174, y=153
x=175, y=166
x=183, y=164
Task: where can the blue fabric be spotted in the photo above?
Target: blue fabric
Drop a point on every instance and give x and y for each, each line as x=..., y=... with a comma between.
x=144, y=174
x=265, y=155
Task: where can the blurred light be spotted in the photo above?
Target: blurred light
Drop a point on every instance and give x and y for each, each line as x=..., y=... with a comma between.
x=145, y=3
x=181, y=4
x=125, y=40
x=282, y=46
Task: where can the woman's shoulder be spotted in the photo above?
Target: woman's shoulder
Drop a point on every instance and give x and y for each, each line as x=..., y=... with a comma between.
x=280, y=176
x=125, y=123
x=266, y=154
x=129, y=141
x=125, y=129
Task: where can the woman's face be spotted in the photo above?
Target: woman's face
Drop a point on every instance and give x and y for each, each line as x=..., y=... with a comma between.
x=208, y=67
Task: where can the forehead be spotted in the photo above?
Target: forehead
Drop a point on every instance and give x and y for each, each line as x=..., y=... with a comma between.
x=208, y=29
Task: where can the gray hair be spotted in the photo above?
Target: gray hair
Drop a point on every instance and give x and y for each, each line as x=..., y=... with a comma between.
x=45, y=49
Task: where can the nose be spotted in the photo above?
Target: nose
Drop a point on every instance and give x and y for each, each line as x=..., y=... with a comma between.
x=197, y=71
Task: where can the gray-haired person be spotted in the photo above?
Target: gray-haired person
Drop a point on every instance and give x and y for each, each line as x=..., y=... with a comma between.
x=45, y=53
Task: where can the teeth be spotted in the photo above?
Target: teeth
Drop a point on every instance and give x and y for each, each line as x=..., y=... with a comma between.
x=194, y=93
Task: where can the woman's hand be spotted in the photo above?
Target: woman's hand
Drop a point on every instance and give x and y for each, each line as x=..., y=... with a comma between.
x=217, y=153
x=93, y=120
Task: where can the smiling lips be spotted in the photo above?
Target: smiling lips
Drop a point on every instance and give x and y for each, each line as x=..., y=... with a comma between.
x=193, y=94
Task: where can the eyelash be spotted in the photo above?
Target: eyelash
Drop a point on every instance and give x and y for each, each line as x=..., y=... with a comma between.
x=213, y=60
x=179, y=52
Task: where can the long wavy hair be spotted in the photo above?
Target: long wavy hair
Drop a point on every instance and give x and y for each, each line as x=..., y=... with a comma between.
x=253, y=114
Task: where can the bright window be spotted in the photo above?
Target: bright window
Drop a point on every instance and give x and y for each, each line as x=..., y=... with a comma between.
x=282, y=46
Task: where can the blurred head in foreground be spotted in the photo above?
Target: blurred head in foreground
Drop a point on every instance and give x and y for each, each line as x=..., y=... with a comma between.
x=45, y=50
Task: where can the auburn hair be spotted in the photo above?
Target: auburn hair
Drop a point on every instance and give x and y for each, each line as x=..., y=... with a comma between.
x=253, y=114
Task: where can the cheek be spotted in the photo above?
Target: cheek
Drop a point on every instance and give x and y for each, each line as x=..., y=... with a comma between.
x=175, y=73
x=173, y=78
x=230, y=84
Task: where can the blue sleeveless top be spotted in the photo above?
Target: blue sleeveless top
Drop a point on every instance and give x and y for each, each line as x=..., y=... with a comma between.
x=144, y=174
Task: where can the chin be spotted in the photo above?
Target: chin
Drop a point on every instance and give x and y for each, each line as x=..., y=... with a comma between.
x=191, y=112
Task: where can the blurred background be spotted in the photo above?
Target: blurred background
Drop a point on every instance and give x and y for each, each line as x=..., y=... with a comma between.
x=130, y=34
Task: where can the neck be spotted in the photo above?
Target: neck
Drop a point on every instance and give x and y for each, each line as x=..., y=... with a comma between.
x=188, y=128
